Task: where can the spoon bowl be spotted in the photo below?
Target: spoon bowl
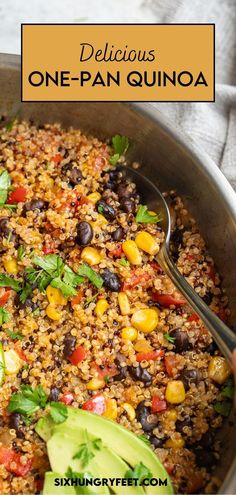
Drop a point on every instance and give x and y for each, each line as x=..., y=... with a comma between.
x=153, y=198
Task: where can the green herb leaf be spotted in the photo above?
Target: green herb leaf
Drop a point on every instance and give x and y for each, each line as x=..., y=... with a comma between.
x=58, y=412
x=4, y=316
x=106, y=378
x=28, y=400
x=10, y=207
x=169, y=338
x=120, y=145
x=143, y=216
x=36, y=312
x=66, y=290
x=51, y=263
x=90, y=299
x=139, y=472
x=25, y=292
x=74, y=475
x=145, y=440
x=20, y=253
x=5, y=182
x=6, y=281
x=228, y=389
x=123, y=262
x=71, y=278
x=86, y=451
x=86, y=271
x=14, y=335
x=223, y=408
x=10, y=123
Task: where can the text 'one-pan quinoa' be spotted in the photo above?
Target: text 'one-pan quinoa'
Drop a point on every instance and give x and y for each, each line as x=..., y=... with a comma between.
x=89, y=319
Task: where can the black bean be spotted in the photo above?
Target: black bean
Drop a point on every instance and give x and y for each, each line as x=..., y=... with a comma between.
x=124, y=190
x=34, y=204
x=72, y=173
x=69, y=345
x=208, y=298
x=128, y=205
x=181, y=342
x=28, y=304
x=54, y=394
x=157, y=442
x=139, y=373
x=4, y=229
x=111, y=280
x=122, y=371
x=106, y=210
x=180, y=425
x=84, y=233
x=190, y=376
x=118, y=234
x=143, y=415
x=15, y=423
x=207, y=439
x=211, y=348
x=205, y=458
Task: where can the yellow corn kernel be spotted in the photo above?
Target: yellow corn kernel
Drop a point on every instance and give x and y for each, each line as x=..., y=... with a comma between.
x=147, y=243
x=129, y=410
x=13, y=362
x=52, y=313
x=124, y=303
x=94, y=197
x=175, y=443
x=129, y=333
x=95, y=384
x=101, y=307
x=142, y=345
x=91, y=256
x=175, y=392
x=171, y=415
x=100, y=222
x=218, y=369
x=111, y=409
x=132, y=252
x=145, y=320
x=55, y=296
x=11, y=266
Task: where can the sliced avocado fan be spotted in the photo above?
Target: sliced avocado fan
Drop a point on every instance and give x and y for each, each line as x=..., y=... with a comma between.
x=123, y=444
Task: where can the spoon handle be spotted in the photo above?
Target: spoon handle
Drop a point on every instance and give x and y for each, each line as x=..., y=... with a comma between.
x=223, y=336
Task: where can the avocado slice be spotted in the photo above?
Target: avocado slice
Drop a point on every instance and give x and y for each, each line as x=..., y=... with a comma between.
x=49, y=487
x=105, y=464
x=124, y=443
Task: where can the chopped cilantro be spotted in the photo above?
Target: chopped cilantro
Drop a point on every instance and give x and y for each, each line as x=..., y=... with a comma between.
x=169, y=338
x=140, y=472
x=120, y=145
x=223, y=408
x=28, y=400
x=86, y=450
x=86, y=271
x=6, y=281
x=5, y=183
x=4, y=316
x=106, y=378
x=14, y=335
x=143, y=216
x=145, y=439
x=58, y=412
x=20, y=253
x=123, y=262
x=228, y=389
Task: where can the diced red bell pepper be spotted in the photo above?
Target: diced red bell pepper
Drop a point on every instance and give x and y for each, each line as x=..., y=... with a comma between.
x=20, y=353
x=67, y=398
x=107, y=370
x=170, y=364
x=150, y=356
x=193, y=317
x=4, y=298
x=76, y=299
x=156, y=267
x=57, y=158
x=135, y=280
x=17, y=196
x=158, y=405
x=96, y=405
x=166, y=300
x=117, y=252
x=48, y=248
x=11, y=460
x=212, y=272
x=78, y=355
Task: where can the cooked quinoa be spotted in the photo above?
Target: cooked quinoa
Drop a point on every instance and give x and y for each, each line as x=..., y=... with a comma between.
x=68, y=198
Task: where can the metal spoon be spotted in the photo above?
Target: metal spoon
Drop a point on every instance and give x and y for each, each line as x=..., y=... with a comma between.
x=152, y=197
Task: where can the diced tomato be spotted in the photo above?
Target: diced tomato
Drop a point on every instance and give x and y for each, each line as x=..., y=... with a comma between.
x=11, y=460
x=170, y=364
x=212, y=272
x=221, y=313
x=78, y=355
x=17, y=196
x=96, y=405
x=166, y=300
x=117, y=252
x=4, y=298
x=107, y=370
x=194, y=483
x=48, y=248
x=169, y=467
x=57, y=158
x=150, y=356
x=20, y=353
x=156, y=267
x=76, y=299
x=67, y=398
x=135, y=280
x=193, y=317
x=158, y=405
